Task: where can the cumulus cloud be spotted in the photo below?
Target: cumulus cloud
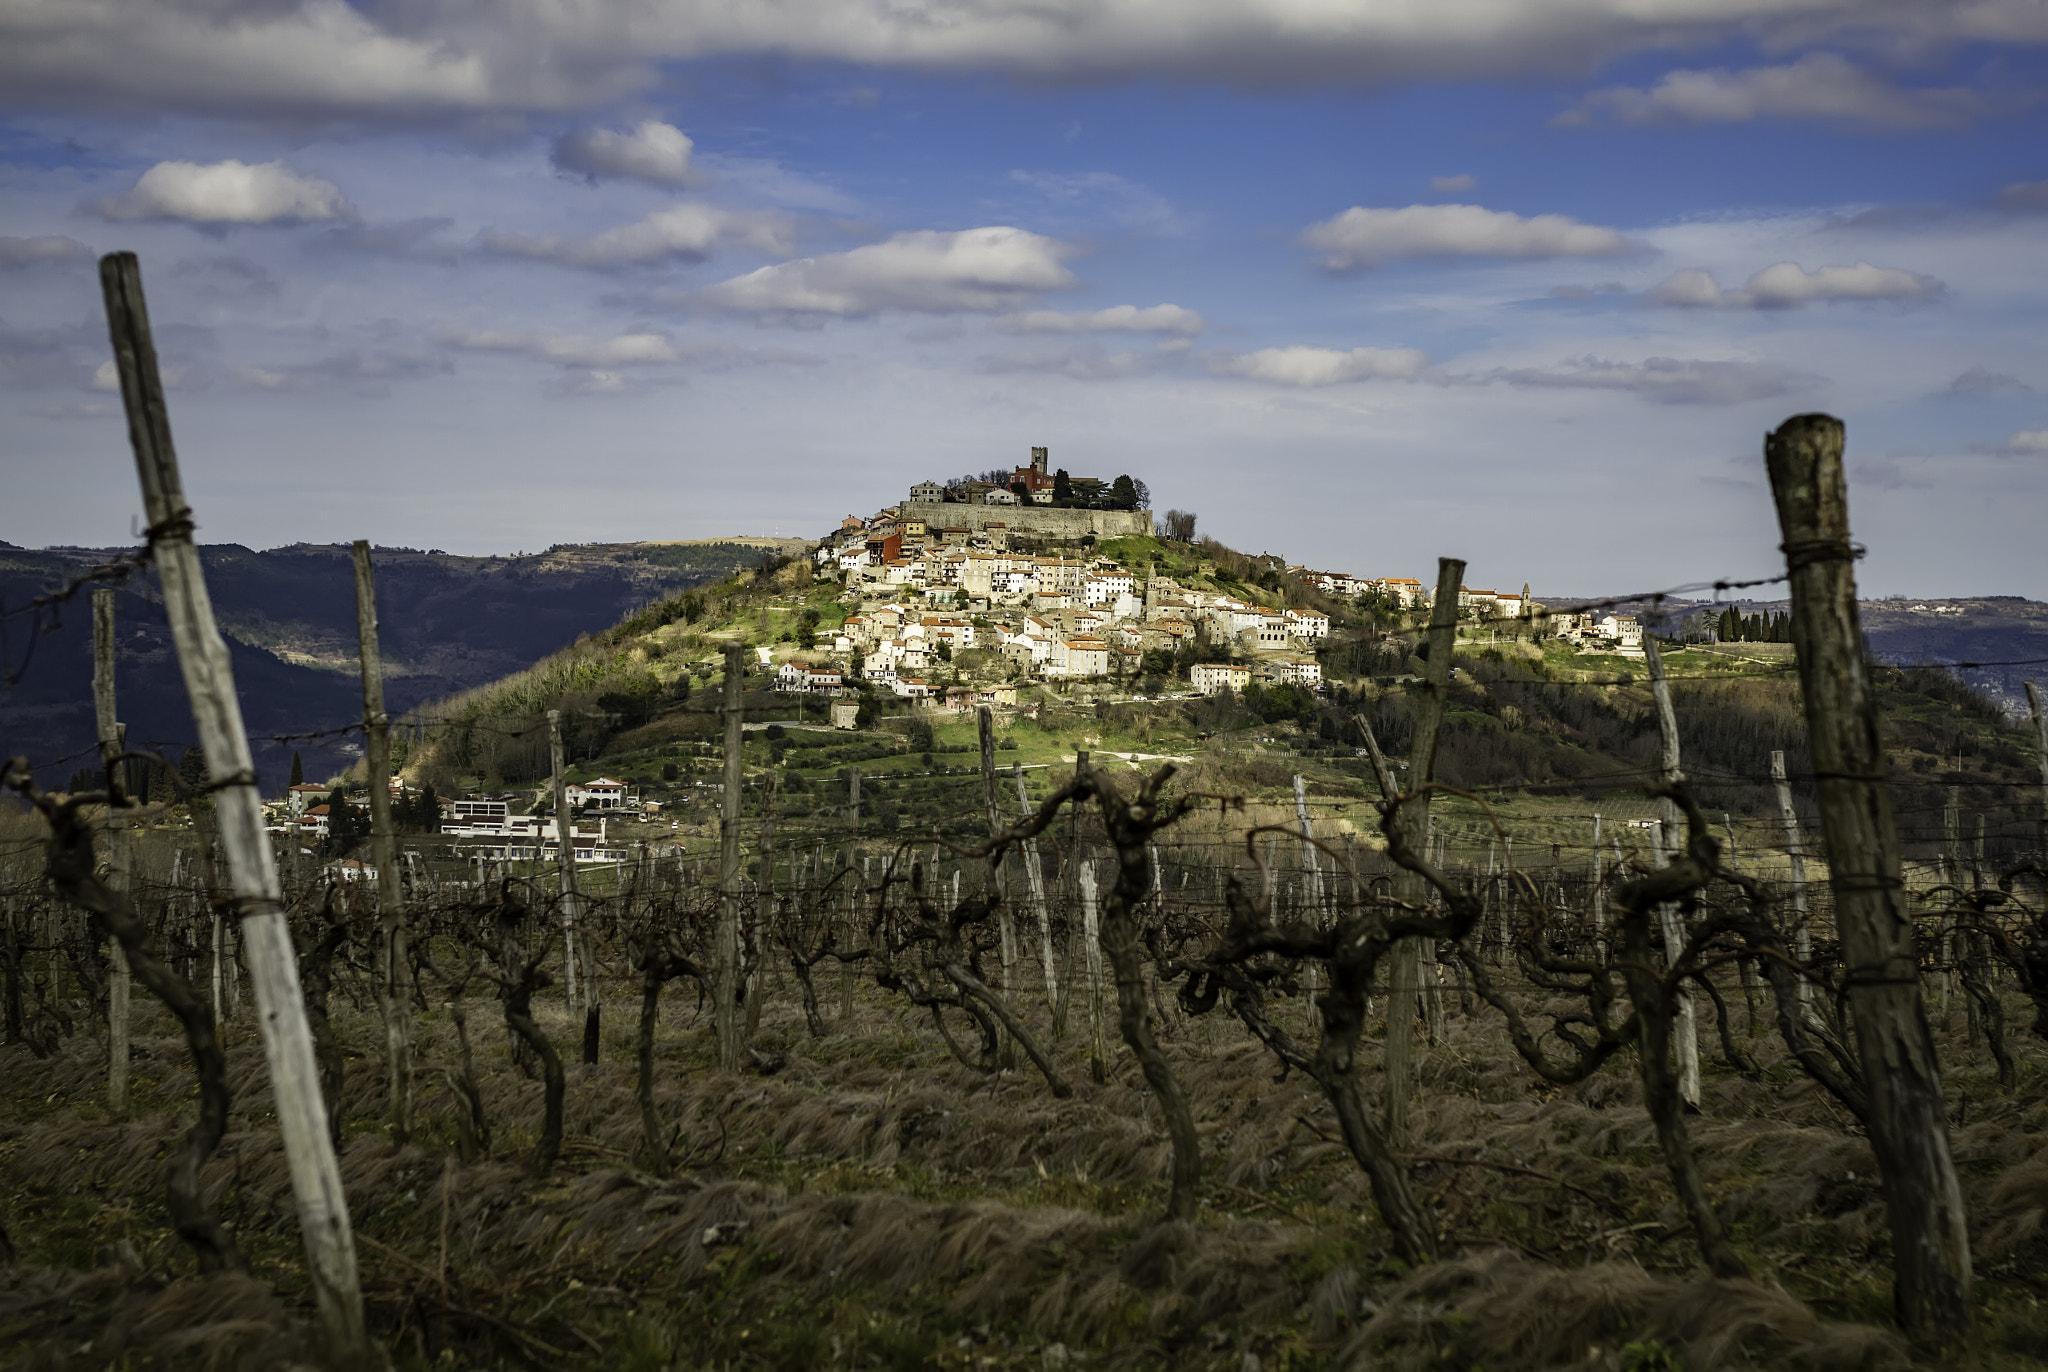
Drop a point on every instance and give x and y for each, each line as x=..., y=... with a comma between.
x=1169, y=319
x=650, y=151
x=225, y=193
x=2026, y=443
x=2025, y=196
x=995, y=268
x=1982, y=381
x=1085, y=366
x=576, y=350
x=363, y=373
x=1360, y=239
x=107, y=377
x=1787, y=285
x=689, y=232
x=1666, y=380
x=328, y=57
x=1453, y=185
x=1820, y=85
x=33, y=252
x=1298, y=365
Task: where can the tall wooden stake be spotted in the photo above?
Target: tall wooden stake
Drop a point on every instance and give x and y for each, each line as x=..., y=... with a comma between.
x=2041, y=756
x=1685, y=1036
x=1908, y=1121
x=210, y=683
x=1404, y=976
x=764, y=910
x=726, y=971
x=1795, y=854
x=394, y=972
x=1034, y=878
x=113, y=742
x=1006, y=923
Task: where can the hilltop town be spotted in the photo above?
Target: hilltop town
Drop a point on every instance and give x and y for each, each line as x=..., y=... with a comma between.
x=1057, y=578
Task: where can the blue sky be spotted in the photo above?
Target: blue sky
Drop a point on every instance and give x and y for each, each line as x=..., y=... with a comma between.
x=1360, y=282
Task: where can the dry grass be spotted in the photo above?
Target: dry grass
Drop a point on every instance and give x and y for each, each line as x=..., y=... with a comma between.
x=875, y=1204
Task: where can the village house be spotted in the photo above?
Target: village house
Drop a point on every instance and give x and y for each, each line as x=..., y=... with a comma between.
x=1307, y=623
x=1212, y=678
x=1078, y=658
x=298, y=798
x=1626, y=630
x=605, y=793
x=801, y=678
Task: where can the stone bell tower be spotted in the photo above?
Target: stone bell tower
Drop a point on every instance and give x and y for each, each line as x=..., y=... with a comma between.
x=1038, y=459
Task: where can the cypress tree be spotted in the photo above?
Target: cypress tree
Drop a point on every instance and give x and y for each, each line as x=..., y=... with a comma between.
x=298, y=770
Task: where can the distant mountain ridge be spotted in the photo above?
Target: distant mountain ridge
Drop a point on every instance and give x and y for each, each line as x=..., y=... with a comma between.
x=446, y=622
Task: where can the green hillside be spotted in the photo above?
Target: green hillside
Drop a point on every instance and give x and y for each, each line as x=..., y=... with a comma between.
x=1547, y=735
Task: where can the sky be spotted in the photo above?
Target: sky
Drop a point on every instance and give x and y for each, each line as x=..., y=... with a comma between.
x=1361, y=282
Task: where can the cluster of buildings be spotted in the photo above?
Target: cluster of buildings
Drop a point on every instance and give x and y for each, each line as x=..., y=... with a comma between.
x=1032, y=485
x=479, y=828
x=1104, y=630
x=1407, y=593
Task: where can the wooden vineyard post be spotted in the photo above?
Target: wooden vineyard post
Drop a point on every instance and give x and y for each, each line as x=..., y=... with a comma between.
x=1795, y=854
x=764, y=911
x=113, y=742
x=1091, y=951
x=1034, y=878
x=1404, y=975
x=273, y=964
x=1006, y=923
x=575, y=947
x=726, y=969
x=1670, y=828
x=2041, y=756
x=1908, y=1122
x=394, y=989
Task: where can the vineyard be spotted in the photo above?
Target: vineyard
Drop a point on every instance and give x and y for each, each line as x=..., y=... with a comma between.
x=1089, y=1060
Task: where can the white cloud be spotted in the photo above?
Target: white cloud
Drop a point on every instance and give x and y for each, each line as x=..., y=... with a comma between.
x=689, y=231
x=1453, y=185
x=1360, y=239
x=1666, y=380
x=1115, y=366
x=28, y=252
x=2025, y=195
x=1981, y=381
x=2027, y=443
x=992, y=268
x=1172, y=319
x=1820, y=85
x=328, y=57
x=1787, y=285
x=1297, y=365
x=651, y=151
x=576, y=350
x=229, y=192
x=107, y=377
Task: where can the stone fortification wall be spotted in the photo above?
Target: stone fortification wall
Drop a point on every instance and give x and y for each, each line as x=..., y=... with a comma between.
x=1036, y=520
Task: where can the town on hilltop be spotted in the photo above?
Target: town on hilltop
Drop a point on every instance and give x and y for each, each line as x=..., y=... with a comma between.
x=1028, y=571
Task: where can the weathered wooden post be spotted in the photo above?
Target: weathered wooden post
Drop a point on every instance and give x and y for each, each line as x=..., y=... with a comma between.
x=394, y=972
x=726, y=954
x=2041, y=757
x=1404, y=975
x=113, y=742
x=764, y=910
x=1006, y=923
x=1795, y=854
x=1908, y=1122
x=1091, y=952
x=1034, y=877
x=1685, y=1038
x=209, y=682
